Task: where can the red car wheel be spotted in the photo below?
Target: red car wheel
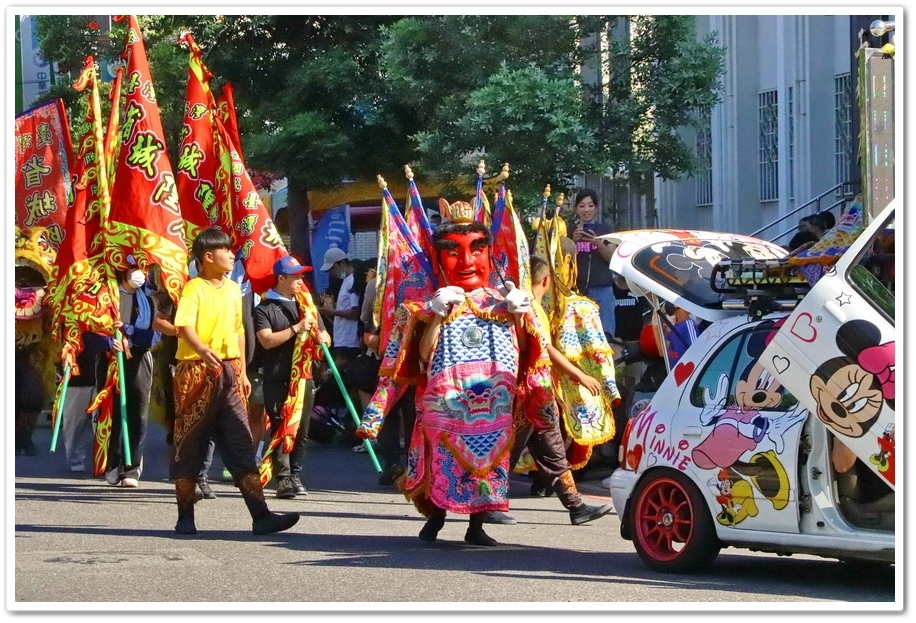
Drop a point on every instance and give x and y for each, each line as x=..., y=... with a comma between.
x=672, y=528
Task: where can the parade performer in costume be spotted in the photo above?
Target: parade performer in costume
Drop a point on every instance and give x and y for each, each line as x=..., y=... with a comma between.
x=577, y=333
x=546, y=445
x=34, y=370
x=476, y=353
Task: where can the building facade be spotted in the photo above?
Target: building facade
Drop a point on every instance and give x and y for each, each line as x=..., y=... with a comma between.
x=784, y=137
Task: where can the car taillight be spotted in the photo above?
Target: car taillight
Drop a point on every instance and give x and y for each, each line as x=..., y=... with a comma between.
x=624, y=442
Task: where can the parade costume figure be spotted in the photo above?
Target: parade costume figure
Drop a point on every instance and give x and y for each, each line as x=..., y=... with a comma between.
x=477, y=354
x=575, y=329
x=34, y=363
x=546, y=446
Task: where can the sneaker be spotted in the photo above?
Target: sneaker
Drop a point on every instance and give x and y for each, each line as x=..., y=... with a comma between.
x=297, y=485
x=587, y=513
x=113, y=477
x=285, y=488
x=130, y=483
x=606, y=483
x=498, y=517
x=77, y=467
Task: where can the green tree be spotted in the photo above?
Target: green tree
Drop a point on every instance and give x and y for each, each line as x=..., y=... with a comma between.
x=306, y=88
x=662, y=81
x=517, y=89
x=323, y=98
x=499, y=87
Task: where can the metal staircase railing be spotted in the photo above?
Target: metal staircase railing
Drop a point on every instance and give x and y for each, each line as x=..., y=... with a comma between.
x=841, y=195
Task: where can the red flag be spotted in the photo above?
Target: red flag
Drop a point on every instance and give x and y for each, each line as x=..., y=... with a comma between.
x=510, y=246
x=145, y=219
x=236, y=206
x=404, y=269
x=44, y=160
x=253, y=231
x=225, y=104
x=82, y=294
x=202, y=182
x=112, y=141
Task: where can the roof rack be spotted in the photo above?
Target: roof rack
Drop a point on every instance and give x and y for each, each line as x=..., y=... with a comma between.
x=758, y=286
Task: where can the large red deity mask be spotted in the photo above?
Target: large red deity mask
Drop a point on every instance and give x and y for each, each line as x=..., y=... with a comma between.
x=465, y=260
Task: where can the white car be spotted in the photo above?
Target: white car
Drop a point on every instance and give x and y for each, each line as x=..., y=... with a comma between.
x=774, y=431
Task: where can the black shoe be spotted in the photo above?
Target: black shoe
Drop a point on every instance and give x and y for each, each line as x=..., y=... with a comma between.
x=185, y=525
x=297, y=485
x=430, y=529
x=476, y=536
x=498, y=517
x=274, y=522
x=587, y=513
x=205, y=489
x=390, y=474
x=285, y=488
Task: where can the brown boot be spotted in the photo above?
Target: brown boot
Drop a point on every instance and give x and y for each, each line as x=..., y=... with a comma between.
x=186, y=495
x=262, y=520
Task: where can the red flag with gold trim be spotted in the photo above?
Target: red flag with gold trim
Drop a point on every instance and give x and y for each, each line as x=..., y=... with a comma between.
x=225, y=106
x=254, y=235
x=236, y=206
x=44, y=161
x=202, y=181
x=83, y=295
x=112, y=140
x=145, y=219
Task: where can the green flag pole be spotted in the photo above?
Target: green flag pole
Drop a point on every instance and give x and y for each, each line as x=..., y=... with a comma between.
x=123, y=400
x=346, y=395
x=59, y=406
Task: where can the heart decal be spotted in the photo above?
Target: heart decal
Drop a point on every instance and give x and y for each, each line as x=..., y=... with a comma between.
x=780, y=364
x=651, y=460
x=634, y=456
x=803, y=329
x=682, y=372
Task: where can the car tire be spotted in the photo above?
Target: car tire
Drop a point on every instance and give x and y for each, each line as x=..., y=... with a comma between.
x=670, y=524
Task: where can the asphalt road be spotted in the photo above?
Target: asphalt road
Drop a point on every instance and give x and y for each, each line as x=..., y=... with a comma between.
x=81, y=544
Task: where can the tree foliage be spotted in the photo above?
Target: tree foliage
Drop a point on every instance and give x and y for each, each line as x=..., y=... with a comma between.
x=323, y=98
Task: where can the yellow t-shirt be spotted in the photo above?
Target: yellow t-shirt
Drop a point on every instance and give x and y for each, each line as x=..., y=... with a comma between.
x=215, y=313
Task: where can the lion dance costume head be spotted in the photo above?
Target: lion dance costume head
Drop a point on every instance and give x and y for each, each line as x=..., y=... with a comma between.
x=35, y=350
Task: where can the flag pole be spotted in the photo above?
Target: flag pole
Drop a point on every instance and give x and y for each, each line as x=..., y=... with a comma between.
x=58, y=411
x=346, y=395
x=123, y=400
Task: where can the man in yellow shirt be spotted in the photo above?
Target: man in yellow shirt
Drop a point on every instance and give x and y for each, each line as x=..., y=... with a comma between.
x=212, y=388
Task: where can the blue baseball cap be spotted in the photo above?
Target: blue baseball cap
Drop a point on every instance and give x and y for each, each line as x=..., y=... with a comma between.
x=289, y=265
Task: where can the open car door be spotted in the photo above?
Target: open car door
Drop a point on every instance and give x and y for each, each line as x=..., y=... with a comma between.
x=836, y=351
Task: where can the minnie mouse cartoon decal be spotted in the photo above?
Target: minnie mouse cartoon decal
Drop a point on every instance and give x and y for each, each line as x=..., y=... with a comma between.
x=851, y=390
